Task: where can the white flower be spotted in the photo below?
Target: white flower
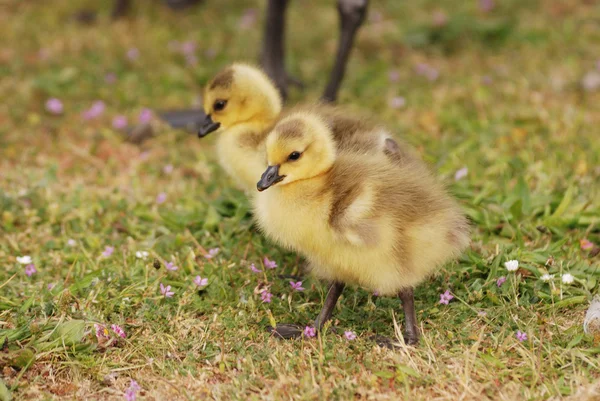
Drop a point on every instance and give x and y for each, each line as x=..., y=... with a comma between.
x=547, y=277
x=461, y=173
x=24, y=260
x=512, y=265
x=141, y=255
x=71, y=242
x=567, y=278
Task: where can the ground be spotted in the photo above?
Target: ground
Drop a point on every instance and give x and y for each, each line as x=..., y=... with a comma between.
x=502, y=100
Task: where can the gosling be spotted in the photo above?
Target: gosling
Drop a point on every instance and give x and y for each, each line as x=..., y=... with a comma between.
x=243, y=104
x=357, y=217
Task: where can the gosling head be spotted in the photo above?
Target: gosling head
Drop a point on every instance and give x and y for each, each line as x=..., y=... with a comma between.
x=300, y=147
x=239, y=94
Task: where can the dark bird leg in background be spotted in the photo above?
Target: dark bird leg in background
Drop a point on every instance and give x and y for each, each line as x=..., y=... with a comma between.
x=295, y=331
x=352, y=14
x=272, y=56
x=120, y=8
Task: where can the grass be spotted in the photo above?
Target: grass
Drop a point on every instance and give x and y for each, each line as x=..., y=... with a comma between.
x=508, y=104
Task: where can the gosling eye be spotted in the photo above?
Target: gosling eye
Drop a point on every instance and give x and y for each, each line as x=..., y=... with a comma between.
x=219, y=104
x=294, y=156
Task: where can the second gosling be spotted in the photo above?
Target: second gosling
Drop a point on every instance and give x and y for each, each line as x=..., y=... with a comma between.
x=358, y=218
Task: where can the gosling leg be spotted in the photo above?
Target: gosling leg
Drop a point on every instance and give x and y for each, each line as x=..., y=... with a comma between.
x=411, y=333
x=295, y=331
x=352, y=14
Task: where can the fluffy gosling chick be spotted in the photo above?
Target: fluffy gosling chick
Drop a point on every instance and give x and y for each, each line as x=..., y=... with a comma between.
x=243, y=103
x=359, y=218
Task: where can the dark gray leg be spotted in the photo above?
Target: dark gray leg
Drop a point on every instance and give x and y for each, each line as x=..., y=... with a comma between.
x=272, y=54
x=411, y=333
x=295, y=331
x=352, y=14
x=335, y=290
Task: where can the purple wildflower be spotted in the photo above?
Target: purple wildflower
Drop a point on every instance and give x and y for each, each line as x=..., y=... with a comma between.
x=145, y=116
x=397, y=102
x=254, y=269
x=500, y=281
x=30, y=270
x=110, y=78
x=394, y=75
x=168, y=169
x=266, y=296
x=102, y=333
x=200, y=282
x=108, y=250
x=134, y=385
x=586, y=244
x=188, y=48
x=446, y=297
x=248, y=19
x=521, y=336
x=427, y=71
x=486, y=5
x=350, y=335
x=54, y=106
x=310, y=331
x=269, y=264
x=171, y=266
x=297, y=285
x=119, y=122
x=118, y=330
x=161, y=198
x=50, y=286
x=94, y=111
x=130, y=395
x=166, y=291
x=461, y=173
x=375, y=293
x=133, y=54
x=212, y=253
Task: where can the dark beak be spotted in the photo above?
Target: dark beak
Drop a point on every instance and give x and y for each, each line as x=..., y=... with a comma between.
x=270, y=177
x=208, y=126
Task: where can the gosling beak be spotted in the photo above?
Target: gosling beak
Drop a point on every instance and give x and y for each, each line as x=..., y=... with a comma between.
x=208, y=126
x=269, y=178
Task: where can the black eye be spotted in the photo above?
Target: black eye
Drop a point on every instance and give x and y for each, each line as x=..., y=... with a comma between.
x=294, y=156
x=219, y=105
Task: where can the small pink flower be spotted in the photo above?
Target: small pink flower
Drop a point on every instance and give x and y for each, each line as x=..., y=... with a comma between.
x=54, y=106
x=130, y=395
x=166, y=291
x=269, y=264
x=397, y=102
x=145, y=116
x=266, y=296
x=439, y=18
x=486, y=5
x=188, y=48
x=427, y=71
x=586, y=244
x=521, y=336
x=50, y=286
x=191, y=60
x=30, y=270
x=500, y=281
x=212, y=253
x=297, y=285
x=461, y=173
x=310, y=331
x=102, y=333
x=108, y=250
x=118, y=330
x=350, y=335
x=110, y=78
x=71, y=242
x=171, y=266
x=168, y=169
x=161, y=198
x=248, y=19
x=446, y=297
x=133, y=54
x=394, y=76
x=134, y=385
x=94, y=111
x=375, y=293
x=119, y=122
x=254, y=269
x=200, y=282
